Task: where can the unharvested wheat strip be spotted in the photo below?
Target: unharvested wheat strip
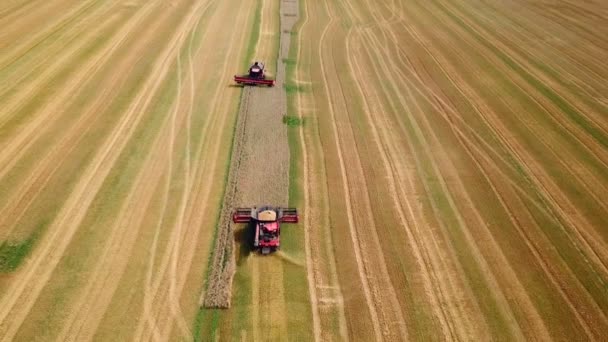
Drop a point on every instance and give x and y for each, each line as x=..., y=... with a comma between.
x=52, y=246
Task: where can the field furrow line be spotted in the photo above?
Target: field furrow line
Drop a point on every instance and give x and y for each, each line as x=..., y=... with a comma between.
x=311, y=274
x=149, y=293
x=459, y=320
x=526, y=31
x=381, y=280
x=19, y=143
x=470, y=94
x=111, y=264
x=61, y=23
x=587, y=243
x=37, y=61
x=526, y=69
x=199, y=188
x=356, y=246
x=526, y=195
x=384, y=146
x=153, y=162
x=52, y=246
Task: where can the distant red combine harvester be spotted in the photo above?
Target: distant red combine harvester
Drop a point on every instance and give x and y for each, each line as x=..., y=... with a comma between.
x=266, y=221
x=256, y=76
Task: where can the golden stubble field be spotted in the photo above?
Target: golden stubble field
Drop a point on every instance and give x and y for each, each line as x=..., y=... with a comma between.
x=115, y=127
x=455, y=167
x=449, y=161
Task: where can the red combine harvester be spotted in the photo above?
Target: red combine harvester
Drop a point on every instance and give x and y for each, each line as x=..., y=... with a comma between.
x=255, y=77
x=266, y=221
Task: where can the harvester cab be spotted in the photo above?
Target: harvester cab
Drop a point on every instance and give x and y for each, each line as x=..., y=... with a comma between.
x=256, y=70
x=256, y=76
x=266, y=221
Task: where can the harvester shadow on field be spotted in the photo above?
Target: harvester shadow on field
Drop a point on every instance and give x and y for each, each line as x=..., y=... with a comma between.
x=243, y=237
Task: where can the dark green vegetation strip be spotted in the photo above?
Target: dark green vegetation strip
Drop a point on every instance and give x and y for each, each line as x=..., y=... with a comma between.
x=12, y=253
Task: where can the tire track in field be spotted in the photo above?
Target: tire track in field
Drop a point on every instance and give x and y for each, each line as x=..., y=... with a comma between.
x=387, y=323
x=420, y=251
x=192, y=209
x=19, y=201
x=448, y=321
x=452, y=322
x=531, y=311
x=384, y=147
x=594, y=253
x=148, y=297
x=51, y=248
x=583, y=136
x=84, y=318
x=362, y=274
x=311, y=258
x=60, y=23
x=403, y=76
x=455, y=285
x=18, y=144
x=108, y=262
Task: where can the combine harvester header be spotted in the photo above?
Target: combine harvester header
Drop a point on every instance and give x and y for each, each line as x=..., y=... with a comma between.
x=266, y=221
x=256, y=76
